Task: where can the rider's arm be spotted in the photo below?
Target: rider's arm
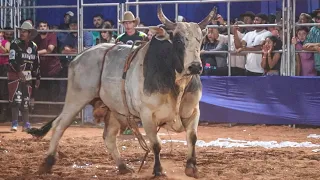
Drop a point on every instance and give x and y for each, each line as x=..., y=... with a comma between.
x=15, y=57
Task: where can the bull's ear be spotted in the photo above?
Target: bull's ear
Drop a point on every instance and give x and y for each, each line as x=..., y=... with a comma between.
x=159, y=32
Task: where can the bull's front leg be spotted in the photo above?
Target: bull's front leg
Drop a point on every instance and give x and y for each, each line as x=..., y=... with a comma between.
x=150, y=128
x=191, y=125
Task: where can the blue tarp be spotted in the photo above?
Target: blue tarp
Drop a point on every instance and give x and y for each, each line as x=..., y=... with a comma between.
x=261, y=100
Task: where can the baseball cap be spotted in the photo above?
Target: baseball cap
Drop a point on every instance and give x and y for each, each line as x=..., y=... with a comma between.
x=70, y=13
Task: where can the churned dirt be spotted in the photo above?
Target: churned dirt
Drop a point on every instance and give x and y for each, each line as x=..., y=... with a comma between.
x=84, y=156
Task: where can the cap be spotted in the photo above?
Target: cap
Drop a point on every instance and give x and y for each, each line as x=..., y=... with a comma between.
x=70, y=13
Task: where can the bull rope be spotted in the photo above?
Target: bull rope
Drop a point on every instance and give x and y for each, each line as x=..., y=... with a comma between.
x=130, y=118
x=104, y=59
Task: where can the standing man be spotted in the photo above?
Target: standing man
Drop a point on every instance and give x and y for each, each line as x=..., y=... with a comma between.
x=248, y=18
x=23, y=63
x=131, y=35
x=50, y=66
x=253, y=41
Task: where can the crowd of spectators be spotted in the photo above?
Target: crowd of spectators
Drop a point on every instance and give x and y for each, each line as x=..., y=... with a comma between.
x=243, y=63
x=262, y=39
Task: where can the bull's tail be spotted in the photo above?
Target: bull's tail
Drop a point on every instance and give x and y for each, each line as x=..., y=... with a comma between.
x=41, y=132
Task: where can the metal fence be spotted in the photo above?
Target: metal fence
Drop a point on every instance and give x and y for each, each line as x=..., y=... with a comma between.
x=288, y=26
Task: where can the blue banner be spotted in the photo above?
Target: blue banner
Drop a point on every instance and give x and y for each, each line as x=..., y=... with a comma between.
x=261, y=100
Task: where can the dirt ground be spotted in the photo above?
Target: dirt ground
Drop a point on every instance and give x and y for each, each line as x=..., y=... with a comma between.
x=85, y=155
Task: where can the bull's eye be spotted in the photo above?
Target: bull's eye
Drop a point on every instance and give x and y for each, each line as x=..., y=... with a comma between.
x=179, y=41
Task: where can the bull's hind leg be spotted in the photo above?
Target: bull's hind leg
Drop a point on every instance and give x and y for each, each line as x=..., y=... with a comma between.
x=191, y=125
x=70, y=109
x=150, y=128
x=111, y=129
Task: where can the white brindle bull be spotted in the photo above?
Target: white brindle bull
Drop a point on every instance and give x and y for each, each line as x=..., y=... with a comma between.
x=162, y=88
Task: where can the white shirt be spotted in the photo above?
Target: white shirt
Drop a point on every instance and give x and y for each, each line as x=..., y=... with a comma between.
x=236, y=60
x=254, y=38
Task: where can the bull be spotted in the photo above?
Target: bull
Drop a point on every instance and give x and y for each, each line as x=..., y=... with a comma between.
x=160, y=87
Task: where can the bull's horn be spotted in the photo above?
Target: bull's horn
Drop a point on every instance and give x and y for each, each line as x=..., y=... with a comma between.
x=203, y=24
x=165, y=21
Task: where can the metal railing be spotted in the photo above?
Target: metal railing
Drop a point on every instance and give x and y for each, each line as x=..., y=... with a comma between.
x=82, y=5
x=288, y=23
x=137, y=3
x=17, y=11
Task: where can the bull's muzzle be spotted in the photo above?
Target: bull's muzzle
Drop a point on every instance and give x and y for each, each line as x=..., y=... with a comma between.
x=195, y=68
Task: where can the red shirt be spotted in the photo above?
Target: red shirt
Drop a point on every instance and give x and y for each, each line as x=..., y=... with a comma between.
x=49, y=65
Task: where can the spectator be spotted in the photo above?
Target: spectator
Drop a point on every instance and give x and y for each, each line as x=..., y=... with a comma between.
x=313, y=40
x=97, y=22
x=27, y=20
x=275, y=30
x=305, y=18
x=305, y=61
x=131, y=35
x=4, y=48
x=106, y=36
x=61, y=36
x=237, y=60
x=50, y=65
x=253, y=41
x=271, y=61
x=220, y=22
x=114, y=33
x=66, y=20
x=216, y=61
x=71, y=42
x=150, y=35
x=8, y=35
x=47, y=44
x=248, y=18
x=70, y=46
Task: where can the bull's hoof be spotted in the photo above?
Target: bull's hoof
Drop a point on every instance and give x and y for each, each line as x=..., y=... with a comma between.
x=46, y=166
x=124, y=169
x=158, y=172
x=45, y=169
x=192, y=171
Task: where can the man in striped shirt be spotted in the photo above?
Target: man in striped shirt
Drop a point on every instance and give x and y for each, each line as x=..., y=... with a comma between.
x=312, y=42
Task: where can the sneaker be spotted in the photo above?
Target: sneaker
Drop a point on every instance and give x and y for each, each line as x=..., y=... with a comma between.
x=26, y=127
x=127, y=132
x=14, y=125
